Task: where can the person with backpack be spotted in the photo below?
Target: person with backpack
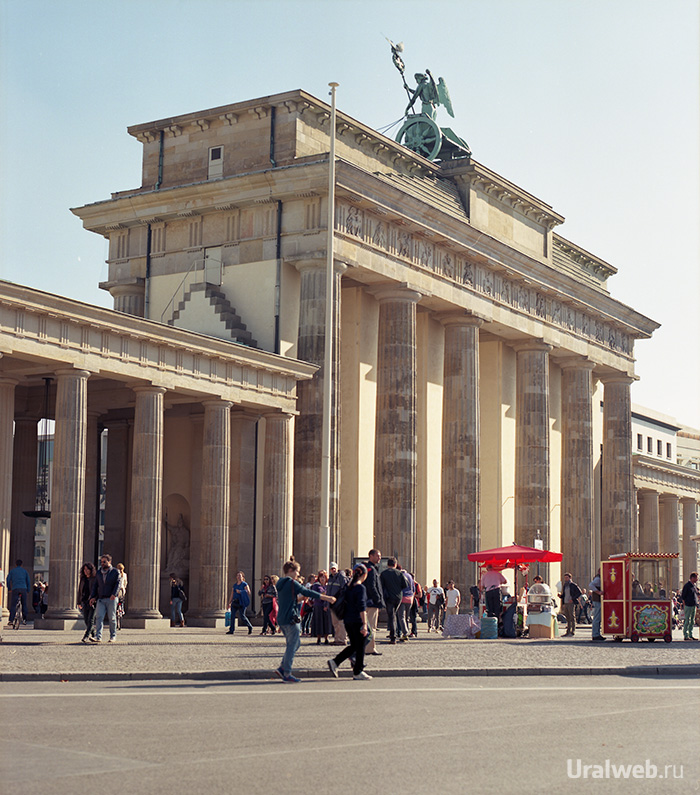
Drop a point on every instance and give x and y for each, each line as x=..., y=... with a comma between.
x=337, y=583
x=355, y=619
x=177, y=597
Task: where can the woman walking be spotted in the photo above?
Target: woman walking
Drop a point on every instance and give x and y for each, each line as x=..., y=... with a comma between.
x=267, y=594
x=87, y=577
x=240, y=599
x=288, y=592
x=321, y=625
x=355, y=619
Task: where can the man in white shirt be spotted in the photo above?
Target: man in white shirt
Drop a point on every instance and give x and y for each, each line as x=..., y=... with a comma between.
x=436, y=598
x=491, y=582
x=452, y=599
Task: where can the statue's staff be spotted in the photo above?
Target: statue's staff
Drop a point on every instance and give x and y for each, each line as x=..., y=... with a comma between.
x=398, y=62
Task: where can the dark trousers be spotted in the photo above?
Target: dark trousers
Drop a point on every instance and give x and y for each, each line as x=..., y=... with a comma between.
x=88, y=612
x=267, y=609
x=242, y=618
x=356, y=647
x=414, y=617
x=392, y=619
x=493, y=602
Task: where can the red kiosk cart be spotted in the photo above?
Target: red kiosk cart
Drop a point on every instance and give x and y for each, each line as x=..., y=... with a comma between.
x=637, y=596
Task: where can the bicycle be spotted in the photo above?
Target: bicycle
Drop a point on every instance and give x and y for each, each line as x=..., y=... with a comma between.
x=19, y=615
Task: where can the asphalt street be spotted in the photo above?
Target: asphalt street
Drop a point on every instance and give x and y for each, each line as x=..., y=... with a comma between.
x=403, y=736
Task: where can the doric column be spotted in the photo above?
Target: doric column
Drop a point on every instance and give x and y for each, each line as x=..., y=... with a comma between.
x=577, y=468
x=532, y=495
x=92, y=483
x=7, y=413
x=395, y=450
x=117, y=487
x=243, y=480
x=277, y=508
x=214, y=523
x=649, y=526
x=690, y=547
x=146, y=507
x=461, y=486
x=309, y=423
x=668, y=541
x=24, y=491
x=68, y=497
x=617, y=476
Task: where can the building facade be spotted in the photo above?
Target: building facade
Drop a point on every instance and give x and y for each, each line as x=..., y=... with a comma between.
x=471, y=341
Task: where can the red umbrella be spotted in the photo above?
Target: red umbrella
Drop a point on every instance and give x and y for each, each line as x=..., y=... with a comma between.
x=512, y=556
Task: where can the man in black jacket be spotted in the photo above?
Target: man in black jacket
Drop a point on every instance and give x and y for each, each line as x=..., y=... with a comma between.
x=570, y=594
x=691, y=601
x=393, y=582
x=374, y=597
x=105, y=590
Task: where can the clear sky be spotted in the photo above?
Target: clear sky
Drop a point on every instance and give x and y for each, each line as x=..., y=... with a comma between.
x=590, y=105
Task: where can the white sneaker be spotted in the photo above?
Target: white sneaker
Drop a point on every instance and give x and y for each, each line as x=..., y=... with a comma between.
x=363, y=675
x=112, y=640
x=333, y=668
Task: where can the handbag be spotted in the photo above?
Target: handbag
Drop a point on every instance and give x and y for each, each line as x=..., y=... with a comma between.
x=227, y=619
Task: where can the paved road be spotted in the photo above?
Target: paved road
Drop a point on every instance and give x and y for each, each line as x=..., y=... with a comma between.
x=403, y=736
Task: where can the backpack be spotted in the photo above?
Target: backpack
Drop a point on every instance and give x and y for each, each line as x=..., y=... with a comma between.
x=339, y=606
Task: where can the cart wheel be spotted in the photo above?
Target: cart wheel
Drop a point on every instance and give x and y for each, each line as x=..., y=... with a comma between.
x=421, y=135
x=634, y=637
x=651, y=640
x=667, y=637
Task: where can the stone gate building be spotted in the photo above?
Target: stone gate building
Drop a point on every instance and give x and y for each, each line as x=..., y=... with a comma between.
x=472, y=343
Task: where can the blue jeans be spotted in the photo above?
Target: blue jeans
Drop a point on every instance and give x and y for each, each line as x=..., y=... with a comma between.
x=292, y=632
x=242, y=618
x=597, y=614
x=176, y=611
x=108, y=606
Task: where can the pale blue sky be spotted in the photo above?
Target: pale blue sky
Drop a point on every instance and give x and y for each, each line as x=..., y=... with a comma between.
x=592, y=106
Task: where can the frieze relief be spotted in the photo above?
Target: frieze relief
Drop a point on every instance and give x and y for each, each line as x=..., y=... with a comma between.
x=396, y=240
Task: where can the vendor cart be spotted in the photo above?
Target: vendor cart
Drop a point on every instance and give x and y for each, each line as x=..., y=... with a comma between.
x=637, y=600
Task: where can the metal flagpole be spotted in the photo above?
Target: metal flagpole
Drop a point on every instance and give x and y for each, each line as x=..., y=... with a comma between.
x=324, y=547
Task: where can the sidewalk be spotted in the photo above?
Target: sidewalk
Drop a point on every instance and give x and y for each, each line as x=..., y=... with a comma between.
x=196, y=653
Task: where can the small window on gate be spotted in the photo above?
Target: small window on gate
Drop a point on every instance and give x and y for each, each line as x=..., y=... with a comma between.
x=659, y=447
x=216, y=162
x=650, y=444
x=668, y=449
x=640, y=442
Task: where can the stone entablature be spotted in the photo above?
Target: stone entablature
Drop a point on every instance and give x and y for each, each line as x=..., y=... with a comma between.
x=37, y=329
x=492, y=279
x=665, y=478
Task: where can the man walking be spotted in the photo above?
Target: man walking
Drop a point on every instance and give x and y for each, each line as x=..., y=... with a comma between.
x=596, y=591
x=18, y=584
x=691, y=600
x=374, y=598
x=105, y=594
x=393, y=582
x=336, y=582
x=570, y=594
x=436, y=598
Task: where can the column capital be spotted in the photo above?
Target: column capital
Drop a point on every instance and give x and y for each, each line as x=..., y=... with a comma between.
x=149, y=389
x=72, y=371
x=531, y=345
x=669, y=498
x=399, y=291
x=617, y=378
x=317, y=263
x=576, y=363
x=688, y=500
x=217, y=403
x=464, y=318
x=7, y=381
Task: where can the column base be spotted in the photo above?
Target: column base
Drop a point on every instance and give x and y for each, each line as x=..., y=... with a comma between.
x=60, y=623
x=215, y=623
x=145, y=623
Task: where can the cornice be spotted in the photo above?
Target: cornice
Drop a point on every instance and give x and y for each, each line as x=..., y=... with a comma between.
x=647, y=470
x=584, y=259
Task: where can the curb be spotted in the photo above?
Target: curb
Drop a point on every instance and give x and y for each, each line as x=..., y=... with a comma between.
x=258, y=675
